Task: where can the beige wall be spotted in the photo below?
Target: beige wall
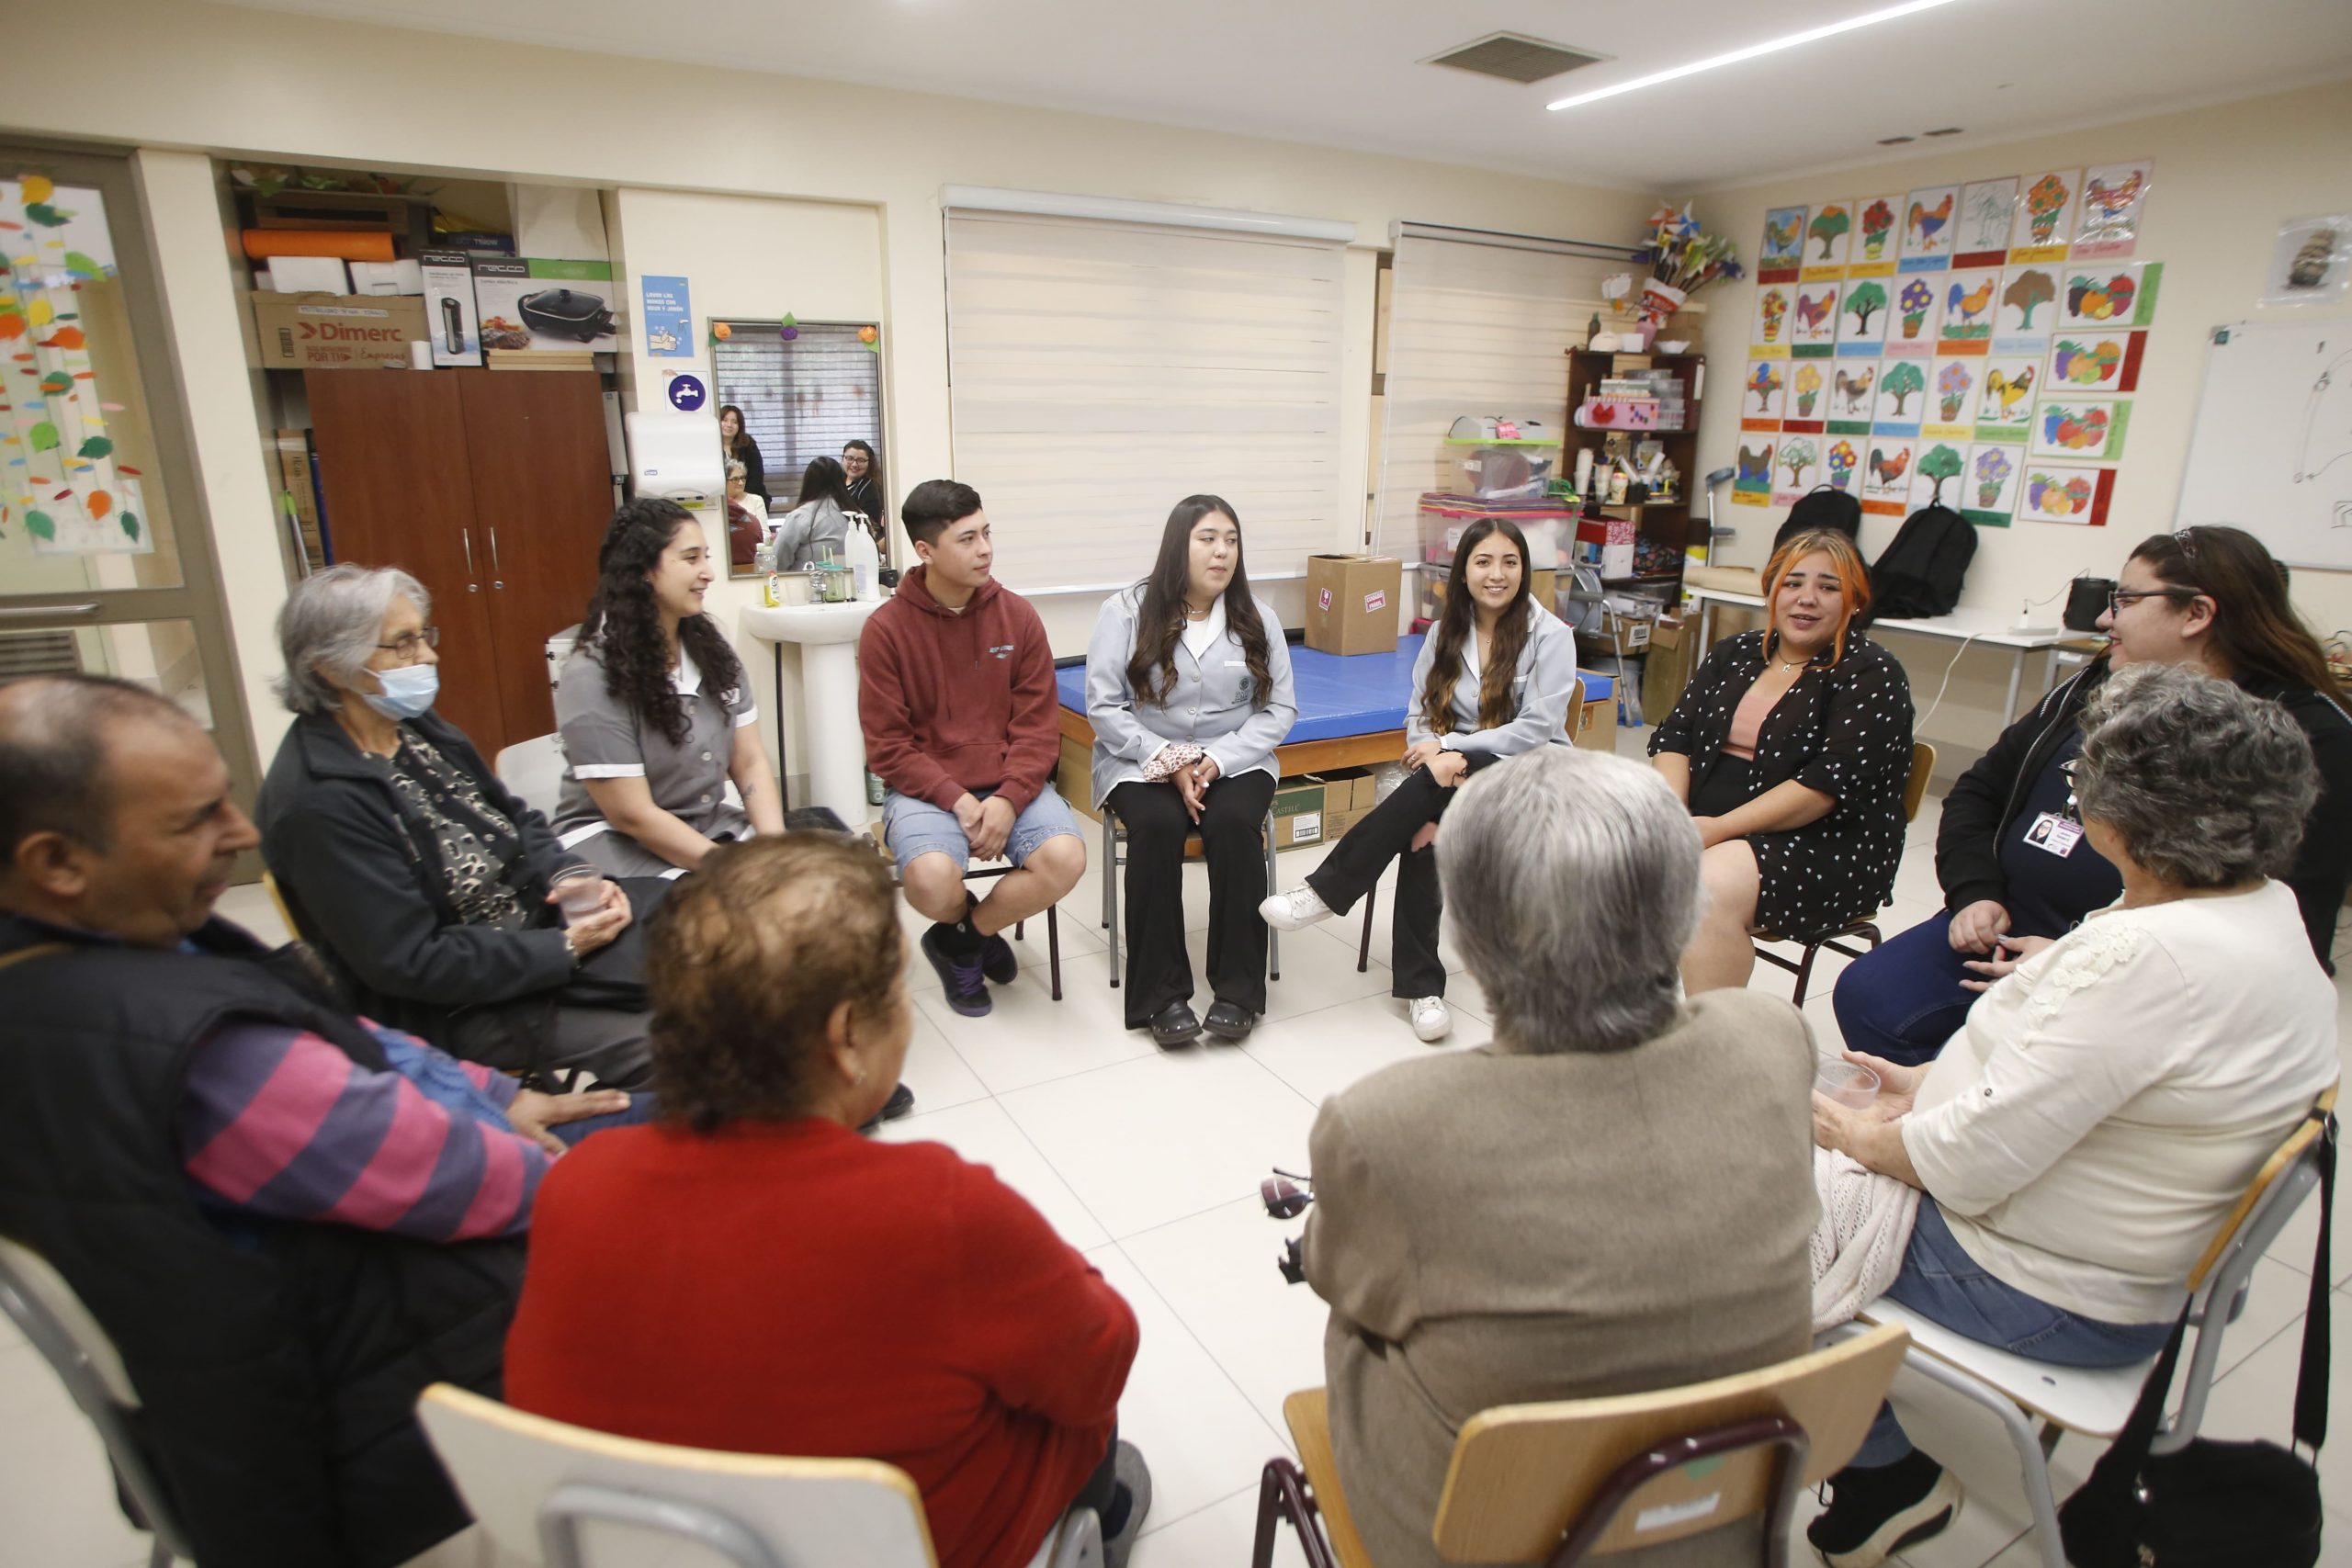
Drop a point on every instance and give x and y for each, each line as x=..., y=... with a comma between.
x=182, y=74
x=2225, y=176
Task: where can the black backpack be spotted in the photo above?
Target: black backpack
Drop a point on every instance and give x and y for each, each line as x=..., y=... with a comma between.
x=1919, y=574
x=1821, y=508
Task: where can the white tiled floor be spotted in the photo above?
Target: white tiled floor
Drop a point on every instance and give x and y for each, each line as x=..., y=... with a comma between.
x=1150, y=1163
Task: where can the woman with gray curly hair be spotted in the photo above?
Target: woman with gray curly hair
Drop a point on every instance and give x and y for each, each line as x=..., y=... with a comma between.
x=2083, y=1138
x=1613, y=1196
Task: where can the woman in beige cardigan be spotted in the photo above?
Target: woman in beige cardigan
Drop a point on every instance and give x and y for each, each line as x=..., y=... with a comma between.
x=1614, y=1197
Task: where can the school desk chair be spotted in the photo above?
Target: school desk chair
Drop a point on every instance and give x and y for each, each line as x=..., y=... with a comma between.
x=1834, y=938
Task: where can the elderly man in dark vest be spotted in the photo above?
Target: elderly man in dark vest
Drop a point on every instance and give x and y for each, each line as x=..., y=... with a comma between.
x=289, y=1220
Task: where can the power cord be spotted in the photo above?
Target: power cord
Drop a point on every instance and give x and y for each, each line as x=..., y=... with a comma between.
x=1921, y=723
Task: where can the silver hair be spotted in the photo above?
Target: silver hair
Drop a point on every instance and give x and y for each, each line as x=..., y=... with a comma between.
x=735, y=466
x=1572, y=886
x=330, y=623
x=2206, y=784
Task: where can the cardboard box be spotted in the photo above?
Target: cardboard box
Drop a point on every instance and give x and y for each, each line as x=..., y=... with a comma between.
x=501, y=284
x=1344, y=789
x=1666, y=670
x=1298, y=813
x=1593, y=721
x=1074, y=777
x=450, y=312
x=388, y=277
x=1337, y=823
x=290, y=453
x=334, y=331
x=1352, y=603
x=308, y=274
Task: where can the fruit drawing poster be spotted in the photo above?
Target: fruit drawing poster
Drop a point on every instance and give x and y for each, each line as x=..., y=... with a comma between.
x=2107, y=294
x=2095, y=362
x=2064, y=492
x=2108, y=223
x=2045, y=219
x=1988, y=209
x=1988, y=484
x=1927, y=228
x=2079, y=427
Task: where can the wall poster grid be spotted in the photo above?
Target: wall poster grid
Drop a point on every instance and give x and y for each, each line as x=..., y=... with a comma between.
x=1983, y=339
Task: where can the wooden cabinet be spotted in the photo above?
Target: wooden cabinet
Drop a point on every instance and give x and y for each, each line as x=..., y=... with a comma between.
x=493, y=490
x=1666, y=526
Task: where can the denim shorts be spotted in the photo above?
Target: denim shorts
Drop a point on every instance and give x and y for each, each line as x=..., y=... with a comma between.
x=913, y=827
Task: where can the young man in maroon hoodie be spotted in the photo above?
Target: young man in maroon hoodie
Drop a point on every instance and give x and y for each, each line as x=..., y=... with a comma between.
x=955, y=695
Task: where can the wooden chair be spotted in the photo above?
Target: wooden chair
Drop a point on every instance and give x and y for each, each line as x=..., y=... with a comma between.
x=278, y=901
x=1915, y=789
x=1557, y=1483
x=1114, y=833
x=2095, y=1401
x=542, y=1490
x=46, y=1310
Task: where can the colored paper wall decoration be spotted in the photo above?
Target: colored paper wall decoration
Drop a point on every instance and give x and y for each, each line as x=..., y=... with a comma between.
x=2107, y=294
x=1830, y=235
x=1751, y=484
x=1911, y=324
x=1968, y=302
x=2005, y=397
x=1879, y=215
x=1935, y=478
x=1988, y=209
x=2029, y=301
x=1901, y=388
x=1951, y=399
x=1761, y=398
x=1813, y=330
x=1799, y=462
x=2095, y=362
x=1770, y=328
x=1927, y=228
x=1853, y=391
x=1861, y=317
x=1783, y=247
x=1886, y=477
x=1988, y=488
x=2064, y=492
x=2079, y=427
x=2113, y=198
x=2045, y=222
x=1839, y=460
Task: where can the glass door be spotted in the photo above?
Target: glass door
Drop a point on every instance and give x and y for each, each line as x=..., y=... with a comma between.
x=105, y=559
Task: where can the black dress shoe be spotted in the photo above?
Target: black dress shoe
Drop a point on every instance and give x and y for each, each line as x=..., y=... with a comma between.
x=901, y=1101
x=1174, y=1025
x=1230, y=1021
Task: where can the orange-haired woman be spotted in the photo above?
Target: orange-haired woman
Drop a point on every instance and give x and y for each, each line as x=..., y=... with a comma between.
x=1792, y=746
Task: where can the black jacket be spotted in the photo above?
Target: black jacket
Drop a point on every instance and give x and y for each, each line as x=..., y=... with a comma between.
x=1988, y=798
x=755, y=473
x=362, y=876
x=277, y=1365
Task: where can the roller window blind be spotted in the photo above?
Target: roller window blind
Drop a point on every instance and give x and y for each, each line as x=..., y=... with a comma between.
x=1472, y=329
x=1101, y=372
x=800, y=399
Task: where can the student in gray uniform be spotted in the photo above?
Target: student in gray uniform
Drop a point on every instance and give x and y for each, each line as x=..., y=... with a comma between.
x=818, y=517
x=656, y=710
x=1495, y=677
x=1188, y=686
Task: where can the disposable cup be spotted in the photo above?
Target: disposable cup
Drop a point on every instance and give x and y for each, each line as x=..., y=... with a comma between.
x=1849, y=1083
x=577, y=890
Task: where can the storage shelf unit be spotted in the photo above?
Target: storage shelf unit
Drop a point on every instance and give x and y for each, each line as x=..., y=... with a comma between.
x=1667, y=526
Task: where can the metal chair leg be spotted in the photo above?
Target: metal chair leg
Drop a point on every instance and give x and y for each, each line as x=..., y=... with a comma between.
x=1805, y=971
x=1363, y=948
x=1273, y=937
x=1054, y=948
x=1112, y=865
x=2032, y=1462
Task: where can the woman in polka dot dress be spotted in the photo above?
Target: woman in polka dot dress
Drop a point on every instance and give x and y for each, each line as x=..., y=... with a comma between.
x=1791, y=747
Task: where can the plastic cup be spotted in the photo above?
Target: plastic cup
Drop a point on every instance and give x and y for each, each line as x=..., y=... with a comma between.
x=578, y=891
x=1851, y=1084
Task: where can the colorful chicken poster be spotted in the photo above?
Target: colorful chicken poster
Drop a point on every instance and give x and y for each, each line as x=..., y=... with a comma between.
x=2095, y=362
x=1952, y=387
x=1853, y=391
x=1763, y=395
x=2027, y=306
x=1861, y=317
x=1751, y=482
x=2005, y=397
x=1969, y=303
x=1927, y=228
x=1988, y=209
x=1768, y=333
x=2079, y=427
x=1877, y=241
x=2064, y=492
x=1813, y=320
x=1829, y=236
x=1911, y=324
x=1840, y=461
x=2107, y=294
x=2045, y=220
x=1902, y=394
x=1988, y=488
x=1781, y=255
x=1935, y=478
x=1809, y=386
x=1886, y=475
x=1797, y=469
x=2109, y=222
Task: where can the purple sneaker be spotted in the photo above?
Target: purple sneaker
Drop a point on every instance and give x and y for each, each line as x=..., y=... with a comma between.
x=968, y=989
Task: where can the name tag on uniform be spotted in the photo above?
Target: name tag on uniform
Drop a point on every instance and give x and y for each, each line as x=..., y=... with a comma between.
x=2054, y=834
x=1236, y=664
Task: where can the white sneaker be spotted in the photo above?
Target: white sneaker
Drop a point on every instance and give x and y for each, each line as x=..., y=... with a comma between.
x=1293, y=910
x=1431, y=1020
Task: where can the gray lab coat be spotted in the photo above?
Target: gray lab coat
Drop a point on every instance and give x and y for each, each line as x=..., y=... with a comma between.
x=1544, y=684
x=1210, y=704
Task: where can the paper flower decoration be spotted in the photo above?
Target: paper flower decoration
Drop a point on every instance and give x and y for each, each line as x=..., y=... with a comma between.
x=720, y=331
x=867, y=334
x=788, y=328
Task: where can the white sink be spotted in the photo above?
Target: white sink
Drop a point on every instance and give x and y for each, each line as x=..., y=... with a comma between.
x=808, y=623
x=828, y=637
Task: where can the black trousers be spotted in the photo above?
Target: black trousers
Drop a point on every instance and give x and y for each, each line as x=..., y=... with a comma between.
x=1353, y=867
x=1233, y=818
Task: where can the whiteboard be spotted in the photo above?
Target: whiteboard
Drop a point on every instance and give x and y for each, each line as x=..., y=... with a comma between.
x=2271, y=452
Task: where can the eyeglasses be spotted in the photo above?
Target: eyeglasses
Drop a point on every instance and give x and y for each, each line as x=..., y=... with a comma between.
x=411, y=646
x=2119, y=597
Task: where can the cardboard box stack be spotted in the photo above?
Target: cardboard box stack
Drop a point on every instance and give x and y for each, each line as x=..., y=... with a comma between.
x=1352, y=603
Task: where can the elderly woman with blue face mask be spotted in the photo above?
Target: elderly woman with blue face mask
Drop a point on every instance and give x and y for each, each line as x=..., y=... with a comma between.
x=425, y=883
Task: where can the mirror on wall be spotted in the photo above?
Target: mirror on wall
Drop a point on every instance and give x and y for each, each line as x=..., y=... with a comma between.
x=786, y=402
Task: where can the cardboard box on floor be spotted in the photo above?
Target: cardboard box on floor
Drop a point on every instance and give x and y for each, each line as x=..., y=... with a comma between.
x=335, y=332
x=1299, y=807
x=1352, y=603
x=1592, y=717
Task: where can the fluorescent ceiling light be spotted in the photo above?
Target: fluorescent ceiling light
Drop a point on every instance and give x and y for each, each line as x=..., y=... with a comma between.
x=1774, y=46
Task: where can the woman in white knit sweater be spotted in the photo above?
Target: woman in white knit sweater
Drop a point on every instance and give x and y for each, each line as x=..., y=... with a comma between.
x=2083, y=1136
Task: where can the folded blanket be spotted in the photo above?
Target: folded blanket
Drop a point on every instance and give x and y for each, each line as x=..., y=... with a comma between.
x=1858, y=1244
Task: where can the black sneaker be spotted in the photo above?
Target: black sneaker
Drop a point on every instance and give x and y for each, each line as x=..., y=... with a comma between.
x=968, y=989
x=1875, y=1512
x=901, y=1101
x=1229, y=1022
x=996, y=960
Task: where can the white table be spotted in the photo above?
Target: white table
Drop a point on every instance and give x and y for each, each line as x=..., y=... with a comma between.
x=1990, y=628
x=828, y=637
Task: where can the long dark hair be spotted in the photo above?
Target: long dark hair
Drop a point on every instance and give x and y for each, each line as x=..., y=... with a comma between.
x=824, y=479
x=1159, y=619
x=2256, y=628
x=627, y=624
x=735, y=443
x=1496, y=703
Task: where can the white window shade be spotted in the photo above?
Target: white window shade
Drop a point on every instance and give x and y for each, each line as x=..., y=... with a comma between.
x=1472, y=329
x=1101, y=372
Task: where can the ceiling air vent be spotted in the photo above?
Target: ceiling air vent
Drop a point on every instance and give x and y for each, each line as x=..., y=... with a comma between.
x=1515, y=58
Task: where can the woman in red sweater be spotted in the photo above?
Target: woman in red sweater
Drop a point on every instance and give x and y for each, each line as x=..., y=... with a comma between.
x=748, y=1274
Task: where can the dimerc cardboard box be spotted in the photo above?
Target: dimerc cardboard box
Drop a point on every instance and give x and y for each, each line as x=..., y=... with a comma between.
x=537, y=303
x=1593, y=721
x=1352, y=603
x=1298, y=813
x=449, y=313
x=335, y=332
